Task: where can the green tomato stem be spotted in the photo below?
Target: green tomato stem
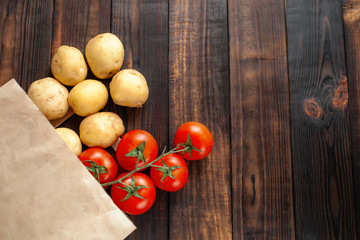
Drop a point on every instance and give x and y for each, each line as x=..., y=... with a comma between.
x=137, y=162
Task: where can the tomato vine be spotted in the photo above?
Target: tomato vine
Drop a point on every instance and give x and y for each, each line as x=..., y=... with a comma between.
x=137, y=168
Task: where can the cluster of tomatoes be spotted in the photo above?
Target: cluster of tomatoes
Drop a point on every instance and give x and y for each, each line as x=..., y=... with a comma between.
x=134, y=192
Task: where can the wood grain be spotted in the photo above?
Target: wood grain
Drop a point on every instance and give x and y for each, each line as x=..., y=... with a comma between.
x=260, y=126
x=351, y=16
x=25, y=38
x=76, y=22
x=322, y=171
x=199, y=90
x=142, y=25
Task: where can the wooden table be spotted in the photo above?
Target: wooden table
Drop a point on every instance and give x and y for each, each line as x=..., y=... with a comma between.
x=276, y=83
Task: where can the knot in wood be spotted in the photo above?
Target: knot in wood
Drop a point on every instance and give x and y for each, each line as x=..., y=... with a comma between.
x=341, y=95
x=312, y=109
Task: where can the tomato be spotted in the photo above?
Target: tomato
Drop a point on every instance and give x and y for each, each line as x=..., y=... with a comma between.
x=137, y=197
x=172, y=173
x=100, y=164
x=133, y=145
x=195, y=138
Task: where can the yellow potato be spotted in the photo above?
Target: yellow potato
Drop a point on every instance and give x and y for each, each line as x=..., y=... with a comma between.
x=129, y=88
x=71, y=139
x=68, y=65
x=88, y=97
x=101, y=129
x=50, y=97
x=105, y=55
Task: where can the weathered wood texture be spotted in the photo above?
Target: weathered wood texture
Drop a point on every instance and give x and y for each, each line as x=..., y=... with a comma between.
x=351, y=16
x=74, y=24
x=199, y=91
x=142, y=25
x=25, y=38
x=322, y=171
x=260, y=126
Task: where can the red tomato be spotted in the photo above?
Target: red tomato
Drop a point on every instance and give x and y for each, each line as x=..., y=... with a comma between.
x=172, y=174
x=131, y=147
x=196, y=138
x=100, y=164
x=137, y=197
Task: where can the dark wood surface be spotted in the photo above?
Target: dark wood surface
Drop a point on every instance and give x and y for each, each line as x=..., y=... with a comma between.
x=277, y=83
x=322, y=168
x=259, y=99
x=351, y=16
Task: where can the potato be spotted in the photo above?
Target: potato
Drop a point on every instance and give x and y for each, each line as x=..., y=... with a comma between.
x=101, y=129
x=105, y=55
x=50, y=97
x=68, y=65
x=71, y=139
x=88, y=97
x=129, y=88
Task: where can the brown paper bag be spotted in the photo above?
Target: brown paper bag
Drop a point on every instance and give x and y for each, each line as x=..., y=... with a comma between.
x=46, y=193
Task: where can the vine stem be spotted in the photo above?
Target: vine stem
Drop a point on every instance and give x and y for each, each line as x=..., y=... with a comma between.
x=163, y=154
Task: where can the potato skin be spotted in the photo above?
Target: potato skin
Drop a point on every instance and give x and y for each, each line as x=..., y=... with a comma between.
x=101, y=129
x=88, y=97
x=129, y=88
x=50, y=96
x=68, y=65
x=71, y=139
x=105, y=55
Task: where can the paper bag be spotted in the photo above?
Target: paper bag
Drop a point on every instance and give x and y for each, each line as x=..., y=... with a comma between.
x=46, y=192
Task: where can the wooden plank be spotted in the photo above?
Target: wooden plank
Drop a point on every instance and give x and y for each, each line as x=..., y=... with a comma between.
x=322, y=171
x=260, y=125
x=351, y=16
x=142, y=25
x=25, y=38
x=75, y=23
x=199, y=91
